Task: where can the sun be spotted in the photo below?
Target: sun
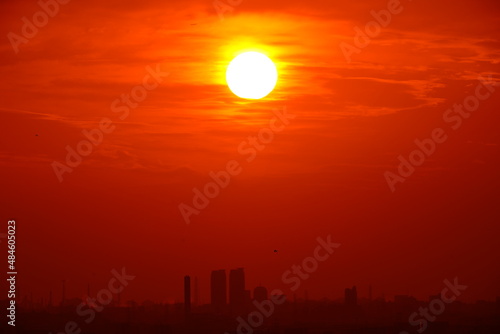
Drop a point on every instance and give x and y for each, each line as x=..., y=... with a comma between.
x=251, y=75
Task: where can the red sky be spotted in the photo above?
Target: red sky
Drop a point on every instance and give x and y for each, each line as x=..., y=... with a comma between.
x=323, y=174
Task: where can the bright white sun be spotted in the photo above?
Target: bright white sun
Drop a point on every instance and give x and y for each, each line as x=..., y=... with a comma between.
x=251, y=75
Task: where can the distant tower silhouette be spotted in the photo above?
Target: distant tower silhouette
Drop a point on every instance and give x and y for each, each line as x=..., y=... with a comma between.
x=237, y=289
x=351, y=296
x=187, y=295
x=260, y=293
x=218, y=290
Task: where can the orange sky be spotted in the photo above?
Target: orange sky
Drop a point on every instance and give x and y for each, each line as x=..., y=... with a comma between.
x=323, y=174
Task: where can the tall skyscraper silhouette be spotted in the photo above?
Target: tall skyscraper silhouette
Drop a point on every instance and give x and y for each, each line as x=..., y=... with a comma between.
x=187, y=294
x=351, y=296
x=237, y=289
x=260, y=293
x=218, y=290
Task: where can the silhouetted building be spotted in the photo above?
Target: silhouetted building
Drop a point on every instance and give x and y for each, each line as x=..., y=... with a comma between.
x=406, y=300
x=218, y=290
x=187, y=294
x=260, y=293
x=351, y=296
x=432, y=297
x=237, y=289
